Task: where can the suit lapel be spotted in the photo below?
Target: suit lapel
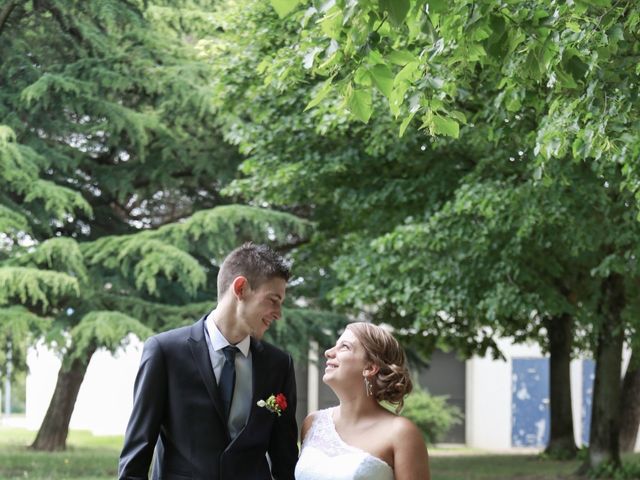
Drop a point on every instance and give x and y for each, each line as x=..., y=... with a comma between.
x=260, y=375
x=200, y=352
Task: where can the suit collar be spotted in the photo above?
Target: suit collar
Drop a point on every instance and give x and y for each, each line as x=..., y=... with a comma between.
x=197, y=330
x=256, y=345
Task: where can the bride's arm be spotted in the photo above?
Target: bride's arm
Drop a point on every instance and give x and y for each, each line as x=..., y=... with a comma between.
x=410, y=457
x=306, y=425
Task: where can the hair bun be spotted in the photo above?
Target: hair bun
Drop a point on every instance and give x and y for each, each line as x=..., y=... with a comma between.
x=393, y=383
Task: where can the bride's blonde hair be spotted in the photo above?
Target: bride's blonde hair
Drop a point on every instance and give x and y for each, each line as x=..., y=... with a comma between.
x=392, y=382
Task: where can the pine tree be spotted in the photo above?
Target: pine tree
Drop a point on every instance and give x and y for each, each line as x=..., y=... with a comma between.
x=112, y=219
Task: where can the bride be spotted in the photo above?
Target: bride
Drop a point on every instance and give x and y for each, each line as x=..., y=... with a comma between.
x=360, y=439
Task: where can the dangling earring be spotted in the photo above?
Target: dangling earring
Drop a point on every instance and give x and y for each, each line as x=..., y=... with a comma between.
x=368, y=387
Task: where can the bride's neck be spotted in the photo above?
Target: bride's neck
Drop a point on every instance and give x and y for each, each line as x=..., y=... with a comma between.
x=354, y=408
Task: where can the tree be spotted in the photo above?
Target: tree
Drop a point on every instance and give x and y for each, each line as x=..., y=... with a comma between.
x=574, y=66
x=351, y=172
x=529, y=94
x=113, y=221
x=630, y=408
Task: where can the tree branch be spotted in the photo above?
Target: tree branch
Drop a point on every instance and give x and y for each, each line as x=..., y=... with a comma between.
x=70, y=29
x=4, y=14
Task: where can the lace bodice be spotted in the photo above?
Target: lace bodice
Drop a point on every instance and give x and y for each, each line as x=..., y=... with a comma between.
x=325, y=456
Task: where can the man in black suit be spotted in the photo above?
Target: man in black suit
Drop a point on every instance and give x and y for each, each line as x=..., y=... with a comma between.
x=198, y=391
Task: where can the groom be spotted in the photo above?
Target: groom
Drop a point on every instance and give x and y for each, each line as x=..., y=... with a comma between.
x=197, y=390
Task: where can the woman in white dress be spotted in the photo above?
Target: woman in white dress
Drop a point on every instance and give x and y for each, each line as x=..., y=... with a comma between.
x=360, y=439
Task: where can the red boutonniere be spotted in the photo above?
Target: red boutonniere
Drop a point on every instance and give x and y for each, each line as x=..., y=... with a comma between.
x=275, y=403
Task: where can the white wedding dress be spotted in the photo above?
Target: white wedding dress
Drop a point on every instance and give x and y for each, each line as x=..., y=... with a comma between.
x=325, y=456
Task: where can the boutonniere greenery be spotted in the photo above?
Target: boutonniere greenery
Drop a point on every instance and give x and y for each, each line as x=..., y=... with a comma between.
x=275, y=403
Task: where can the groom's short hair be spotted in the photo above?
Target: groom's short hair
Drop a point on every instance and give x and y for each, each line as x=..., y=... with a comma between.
x=257, y=263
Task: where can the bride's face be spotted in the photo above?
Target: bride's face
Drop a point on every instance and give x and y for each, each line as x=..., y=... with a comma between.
x=346, y=361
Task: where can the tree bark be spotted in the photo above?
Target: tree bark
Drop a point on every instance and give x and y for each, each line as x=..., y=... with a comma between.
x=5, y=12
x=630, y=404
x=561, y=437
x=604, y=446
x=53, y=432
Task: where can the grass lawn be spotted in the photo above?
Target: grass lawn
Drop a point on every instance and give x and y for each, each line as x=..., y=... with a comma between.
x=95, y=458
x=87, y=457
x=498, y=467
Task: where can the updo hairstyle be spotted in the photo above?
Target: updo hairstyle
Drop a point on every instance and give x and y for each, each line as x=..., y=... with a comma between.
x=392, y=382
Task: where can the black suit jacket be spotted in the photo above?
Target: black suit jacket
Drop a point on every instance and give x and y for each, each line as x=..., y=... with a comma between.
x=177, y=410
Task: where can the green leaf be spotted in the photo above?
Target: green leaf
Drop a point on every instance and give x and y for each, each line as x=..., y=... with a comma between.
x=532, y=64
x=596, y=3
x=574, y=27
x=284, y=7
x=383, y=79
x=407, y=73
x=459, y=116
x=405, y=123
x=397, y=10
x=401, y=57
x=362, y=77
x=438, y=6
x=359, y=104
x=475, y=51
x=445, y=126
x=331, y=24
x=513, y=104
x=321, y=94
x=565, y=79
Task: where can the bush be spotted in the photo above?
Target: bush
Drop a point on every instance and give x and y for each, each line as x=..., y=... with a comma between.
x=626, y=471
x=431, y=414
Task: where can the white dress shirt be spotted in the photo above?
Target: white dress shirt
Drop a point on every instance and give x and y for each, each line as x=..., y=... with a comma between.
x=243, y=392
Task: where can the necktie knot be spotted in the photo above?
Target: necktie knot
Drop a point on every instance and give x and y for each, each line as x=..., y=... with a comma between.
x=230, y=353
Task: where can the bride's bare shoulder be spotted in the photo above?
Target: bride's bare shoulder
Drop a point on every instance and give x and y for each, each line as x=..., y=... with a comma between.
x=306, y=425
x=404, y=426
x=411, y=458
x=397, y=423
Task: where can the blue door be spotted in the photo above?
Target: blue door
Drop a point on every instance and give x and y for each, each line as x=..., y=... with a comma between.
x=588, y=375
x=530, y=418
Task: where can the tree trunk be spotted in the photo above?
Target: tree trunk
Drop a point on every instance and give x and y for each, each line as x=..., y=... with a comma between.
x=561, y=437
x=630, y=404
x=604, y=444
x=53, y=432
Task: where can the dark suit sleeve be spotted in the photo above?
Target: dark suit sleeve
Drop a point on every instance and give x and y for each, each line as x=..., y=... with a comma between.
x=283, y=445
x=149, y=398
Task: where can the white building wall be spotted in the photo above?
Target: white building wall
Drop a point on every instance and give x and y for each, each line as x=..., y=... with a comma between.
x=488, y=404
x=106, y=395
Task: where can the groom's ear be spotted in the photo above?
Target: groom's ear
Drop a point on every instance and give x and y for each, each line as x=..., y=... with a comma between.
x=239, y=286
